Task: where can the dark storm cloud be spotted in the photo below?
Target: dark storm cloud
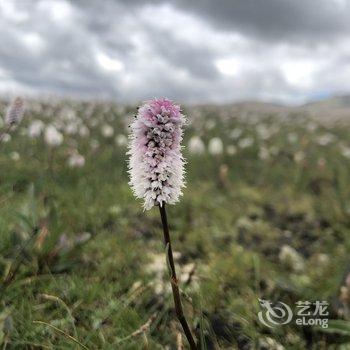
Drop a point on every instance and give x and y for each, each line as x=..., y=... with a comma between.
x=52, y=55
x=189, y=50
x=197, y=61
x=302, y=20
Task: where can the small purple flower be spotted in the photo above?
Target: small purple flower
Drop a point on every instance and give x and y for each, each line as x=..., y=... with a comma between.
x=156, y=165
x=15, y=112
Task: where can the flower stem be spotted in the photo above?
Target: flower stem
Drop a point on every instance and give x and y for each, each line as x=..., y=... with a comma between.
x=174, y=282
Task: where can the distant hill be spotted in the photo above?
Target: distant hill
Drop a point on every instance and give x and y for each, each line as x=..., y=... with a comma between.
x=332, y=109
x=335, y=102
x=337, y=107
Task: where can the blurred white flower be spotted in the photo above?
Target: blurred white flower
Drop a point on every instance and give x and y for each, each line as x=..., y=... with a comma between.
x=231, y=150
x=84, y=131
x=114, y=210
x=76, y=160
x=322, y=258
x=236, y=133
x=264, y=153
x=196, y=145
x=35, y=128
x=325, y=139
x=156, y=265
x=246, y=142
x=52, y=136
x=263, y=131
x=121, y=140
x=15, y=156
x=345, y=151
x=291, y=258
x=311, y=127
x=71, y=128
x=270, y=343
x=210, y=124
x=6, y=138
x=215, y=146
x=107, y=130
x=68, y=114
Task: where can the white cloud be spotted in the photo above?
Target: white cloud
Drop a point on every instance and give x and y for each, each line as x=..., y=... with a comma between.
x=57, y=10
x=299, y=74
x=33, y=41
x=132, y=51
x=108, y=63
x=228, y=66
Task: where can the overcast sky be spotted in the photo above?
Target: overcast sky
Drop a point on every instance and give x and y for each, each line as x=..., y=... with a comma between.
x=289, y=51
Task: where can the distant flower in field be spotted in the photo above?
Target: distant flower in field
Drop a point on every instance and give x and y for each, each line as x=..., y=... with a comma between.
x=71, y=128
x=345, y=151
x=156, y=163
x=215, y=146
x=35, y=128
x=52, y=136
x=121, y=140
x=196, y=145
x=264, y=153
x=246, y=142
x=270, y=343
x=291, y=258
x=325, y=139
x=76, y=160
x=15, y=156
x=231, y=150
x=236, y=133
x=5, y=138
x=263, y=131
x=68, y=114
x=210, y=124
x=311, y=127
x=15, y=112
x=114, y=210
x=84, y=131
x=107, y=130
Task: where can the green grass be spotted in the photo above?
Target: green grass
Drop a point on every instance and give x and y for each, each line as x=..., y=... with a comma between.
x=78, y=254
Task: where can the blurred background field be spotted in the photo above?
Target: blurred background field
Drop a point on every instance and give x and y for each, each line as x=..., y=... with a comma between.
x=265, y=214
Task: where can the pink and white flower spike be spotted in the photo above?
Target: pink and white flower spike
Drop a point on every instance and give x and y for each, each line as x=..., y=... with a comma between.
x=156, y=164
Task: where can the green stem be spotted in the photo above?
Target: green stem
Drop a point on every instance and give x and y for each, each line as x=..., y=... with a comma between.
x=174, y=282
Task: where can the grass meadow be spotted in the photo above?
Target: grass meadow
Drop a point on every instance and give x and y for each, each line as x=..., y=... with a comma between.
x=265, y=214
